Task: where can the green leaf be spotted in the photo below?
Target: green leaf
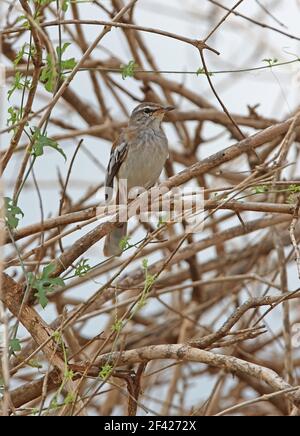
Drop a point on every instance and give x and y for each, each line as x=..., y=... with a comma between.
x=35, y=411
x=26, y=49
x=15, y=116
x=25, y=23
x=65, y=5
x=105, y=372
x=41, y=291
x=82, y=268
x=201, y=71
x=128, y=70
x=35, y=364
x=117, y=326
x=145, y=264
x=45, y=284
x=12, y=213
x=62, y=50
x=261, y=189
x=294, y=189
x=70, y=399
x=15, y=345
x=69, y=375
x=48, y=270
x=271, y=61
x=40, y=141
x=57, y=337
x=161, y=222
x=54, y=404
x=18, y=84
x=149, y=282
x=124, y=243
x=68, y=64
x=20, y=55
x=49, y=74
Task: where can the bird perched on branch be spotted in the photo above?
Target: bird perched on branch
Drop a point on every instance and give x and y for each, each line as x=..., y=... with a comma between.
x=138, y=156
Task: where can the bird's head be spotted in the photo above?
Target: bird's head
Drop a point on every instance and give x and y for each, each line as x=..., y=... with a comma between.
x=149, y=115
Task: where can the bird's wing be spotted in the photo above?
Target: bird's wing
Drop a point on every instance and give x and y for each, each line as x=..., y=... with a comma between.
x=118, y=154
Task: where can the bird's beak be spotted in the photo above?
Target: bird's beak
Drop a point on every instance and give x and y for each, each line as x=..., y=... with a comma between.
x=161, y=112
x=169, y=108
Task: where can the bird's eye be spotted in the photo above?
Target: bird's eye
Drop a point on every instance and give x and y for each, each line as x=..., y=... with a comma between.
x=147, y=111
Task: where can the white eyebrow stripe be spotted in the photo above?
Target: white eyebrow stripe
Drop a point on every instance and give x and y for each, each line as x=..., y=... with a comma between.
x=149, y=107
x=152, y=108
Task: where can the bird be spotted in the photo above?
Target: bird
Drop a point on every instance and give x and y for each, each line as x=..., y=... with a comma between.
x=138, y=156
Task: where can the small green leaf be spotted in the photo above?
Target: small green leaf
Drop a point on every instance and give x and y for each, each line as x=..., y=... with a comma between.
x=65, y=64
x=15, y=116
x=35, y=411
x=40, y=141
x=26, y=49
x=49, y=269
x=271, y=61
x=49, y=74
x=260, y=189
x=44, y=284
x=70, y=399
x=20, y=55
x=201, y=71
x=35, y=364
x=12, y=213
x=41, y=291
x=145, y=264
x=15, y=345
x=161, y=222
x=105, y=372
x=24, y=20
x=117, y=326
x=69, y=375
x=294, y=189
x=68, y=64
x=19, y=83
x=82, y=268
x=65, y=5
x=150, y=280
x=57, y=337
x=124, y=243
x=128, y=70
x=54, y=404
x=62, y=50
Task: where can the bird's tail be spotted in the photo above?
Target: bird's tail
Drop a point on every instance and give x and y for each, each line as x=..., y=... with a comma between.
x=112, y=245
